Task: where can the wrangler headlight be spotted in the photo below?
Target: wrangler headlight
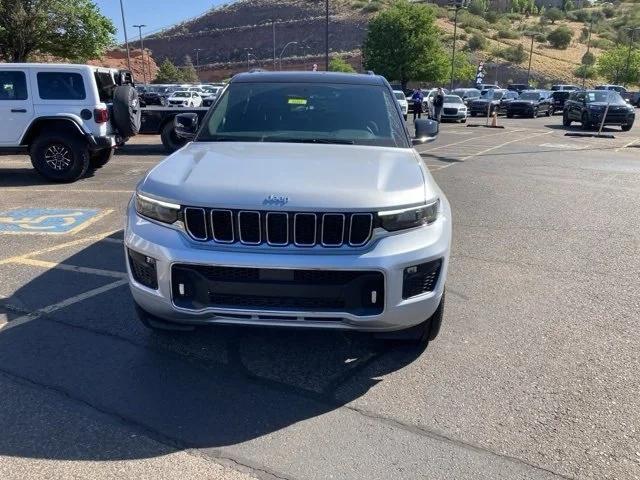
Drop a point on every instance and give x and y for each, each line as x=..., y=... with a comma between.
x=393, y=220
x=158, y=210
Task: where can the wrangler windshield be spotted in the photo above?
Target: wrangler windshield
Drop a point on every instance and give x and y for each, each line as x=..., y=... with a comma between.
x=306, y=113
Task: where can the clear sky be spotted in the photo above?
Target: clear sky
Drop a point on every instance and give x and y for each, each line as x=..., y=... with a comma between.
x=156, y=14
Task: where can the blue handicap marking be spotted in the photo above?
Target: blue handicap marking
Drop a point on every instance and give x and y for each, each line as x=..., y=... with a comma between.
x=45, y=220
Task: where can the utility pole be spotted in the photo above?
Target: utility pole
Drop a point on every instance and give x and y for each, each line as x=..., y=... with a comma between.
x=283, y=49
x=457, y=6
x=126, y=40
x=144, y=72
x=632, y=31
x=326, y=36
x=533, y=36
x=584, y=67
x=248, y=55
x=273, y=26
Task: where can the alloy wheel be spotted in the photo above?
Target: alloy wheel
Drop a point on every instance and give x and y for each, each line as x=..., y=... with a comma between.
x=58, y=157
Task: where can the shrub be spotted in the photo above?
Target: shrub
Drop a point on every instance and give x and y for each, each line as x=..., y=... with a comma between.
x=477, y=7
x=553, y=14
x=472, y=21
x=586, y=71
x=338, y=64
x=463, y=36
x=477, y=42
x=560, y=37
x=515, y=54
x=608, y=11
x=581, y=15
x=514, y=17
x=584, y=35
x=588, y=59
x=511, y=34
x=491, y=16
x=602, y=43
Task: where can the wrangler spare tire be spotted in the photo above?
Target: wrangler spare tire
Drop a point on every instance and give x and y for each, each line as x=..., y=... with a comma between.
x=126, y=110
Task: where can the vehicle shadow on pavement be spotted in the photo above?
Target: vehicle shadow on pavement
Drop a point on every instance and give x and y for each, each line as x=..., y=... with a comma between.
x=28, y=177
x=142, y=149
x=211, y=388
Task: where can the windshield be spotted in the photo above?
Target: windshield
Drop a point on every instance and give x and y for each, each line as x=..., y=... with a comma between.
x=530, y=96
x=400, y=95
x=306, y=113
x=492, y=95
x=604, y=96
x=452, y=99
x=182, y=94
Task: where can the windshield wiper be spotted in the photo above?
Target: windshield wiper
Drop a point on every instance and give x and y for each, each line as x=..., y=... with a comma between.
x=338, y=141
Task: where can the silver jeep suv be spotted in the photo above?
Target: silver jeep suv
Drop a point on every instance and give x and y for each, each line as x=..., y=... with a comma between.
x=300, y=201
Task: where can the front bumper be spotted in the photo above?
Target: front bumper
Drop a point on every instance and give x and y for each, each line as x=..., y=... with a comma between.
x=450, y=116
x=389, y=255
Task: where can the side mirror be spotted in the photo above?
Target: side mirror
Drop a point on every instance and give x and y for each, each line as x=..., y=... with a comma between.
x=426, y=131
x=185, y=125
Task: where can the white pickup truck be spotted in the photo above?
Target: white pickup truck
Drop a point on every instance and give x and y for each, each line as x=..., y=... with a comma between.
x=68, y=117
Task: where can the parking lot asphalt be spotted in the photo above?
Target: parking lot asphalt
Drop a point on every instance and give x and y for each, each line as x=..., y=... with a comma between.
x=534, y=374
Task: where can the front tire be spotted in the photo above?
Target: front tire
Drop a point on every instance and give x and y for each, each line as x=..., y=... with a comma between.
x=586, y=124
x=627, y=127
x=419, y=335
x=60, y=157
x=566, y=121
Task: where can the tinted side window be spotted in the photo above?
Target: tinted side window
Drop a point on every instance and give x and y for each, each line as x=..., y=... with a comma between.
x=61, y=86
x=13, y=85
x=106, y=86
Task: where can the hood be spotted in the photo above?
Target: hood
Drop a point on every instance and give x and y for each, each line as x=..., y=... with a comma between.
x=454, y=105
x=524, y=102
x=312, y=177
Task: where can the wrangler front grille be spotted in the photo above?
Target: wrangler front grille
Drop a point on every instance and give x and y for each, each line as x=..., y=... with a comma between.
x=278, y=229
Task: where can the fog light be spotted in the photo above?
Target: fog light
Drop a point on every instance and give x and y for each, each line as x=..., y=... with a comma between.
x=418, y=279
x=143, y=269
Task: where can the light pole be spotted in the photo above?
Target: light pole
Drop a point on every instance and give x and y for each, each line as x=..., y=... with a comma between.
x=632, y=31
x=249, y=54
x=197, y=50
x=533, y=36
x=584, y=67
x=457, y=6
x=126, y=40
x=282, y=52
x=326, y=36
x=144, y=72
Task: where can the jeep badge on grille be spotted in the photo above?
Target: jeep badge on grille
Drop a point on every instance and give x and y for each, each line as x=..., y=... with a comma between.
x=275, y=200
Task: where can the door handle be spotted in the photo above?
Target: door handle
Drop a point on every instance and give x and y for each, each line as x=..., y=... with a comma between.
x=19, y=110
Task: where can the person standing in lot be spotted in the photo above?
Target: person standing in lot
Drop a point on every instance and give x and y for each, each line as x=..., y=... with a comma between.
x=438, y=102
x=417, y=98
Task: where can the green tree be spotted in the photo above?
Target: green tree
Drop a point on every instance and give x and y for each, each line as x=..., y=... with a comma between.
x=612, y=65
x=403, y=43
x=69, y=29
x=338, y=64
x=477, y=7
x=560, y=37
x=464, y=70
x=553, y=14
x=168, y=73
x=588, y=59
x=188, y=72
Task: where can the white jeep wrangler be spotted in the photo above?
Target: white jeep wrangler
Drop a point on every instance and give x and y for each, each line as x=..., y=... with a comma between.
x=69, y=117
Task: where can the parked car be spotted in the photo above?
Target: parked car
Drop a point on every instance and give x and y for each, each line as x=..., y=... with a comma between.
x=488, y=86
x=558, y=98
x=68, y=117
x=427, y=103
x=531, y=103
x=184, y=98
x=588, y=108
x=402, y=101
x=518, y=87
x=508, y=97
x=488, y=103
x=635, y=99
x=454, y=109
x=563, y=87
x=624, y=93
x=467, y=94
x=150, y=95
x=352, y=234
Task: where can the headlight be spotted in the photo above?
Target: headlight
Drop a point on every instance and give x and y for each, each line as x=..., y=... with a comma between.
x=394, y=220
x=156, y=209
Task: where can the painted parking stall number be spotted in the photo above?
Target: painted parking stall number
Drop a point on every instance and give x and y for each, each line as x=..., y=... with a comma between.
x=47, y=220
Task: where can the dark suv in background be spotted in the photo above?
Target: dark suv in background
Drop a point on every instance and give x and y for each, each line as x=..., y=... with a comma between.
x=588, y=107
x=531, y=103
x=558, y=98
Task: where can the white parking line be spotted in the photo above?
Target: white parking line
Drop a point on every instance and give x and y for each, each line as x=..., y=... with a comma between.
x=627, y=145
x=64, y=303
x=469, y=140
x=32, y=262
x=495, y=147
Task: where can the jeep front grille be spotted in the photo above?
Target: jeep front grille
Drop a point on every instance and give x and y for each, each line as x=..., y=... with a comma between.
x=278, y=229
